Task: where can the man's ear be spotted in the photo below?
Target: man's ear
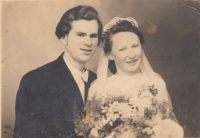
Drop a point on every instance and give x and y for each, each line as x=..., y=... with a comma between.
x=109, y=56
x=64, y=40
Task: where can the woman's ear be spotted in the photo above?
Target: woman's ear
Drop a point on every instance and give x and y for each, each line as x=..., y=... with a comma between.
x=64, y=40
x=109, y=56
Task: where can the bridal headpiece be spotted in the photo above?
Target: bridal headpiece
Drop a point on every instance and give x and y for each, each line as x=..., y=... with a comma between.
x=116, y=20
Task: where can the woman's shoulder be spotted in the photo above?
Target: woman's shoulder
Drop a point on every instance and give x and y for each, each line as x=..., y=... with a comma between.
x=159, y=80
x=161, y=87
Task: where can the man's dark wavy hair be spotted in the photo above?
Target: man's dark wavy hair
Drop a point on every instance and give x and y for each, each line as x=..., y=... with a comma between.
x=77, y=13
x=121, y=26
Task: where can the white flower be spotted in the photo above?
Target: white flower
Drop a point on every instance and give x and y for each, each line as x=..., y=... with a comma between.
x=148, y=130
x=111, y=123
x=127, y=134
x=111, y=135
x=155, y=121
x=103, y=121
x=94, y=133
x=133, y=100
x=104, y=109
x=113, y=116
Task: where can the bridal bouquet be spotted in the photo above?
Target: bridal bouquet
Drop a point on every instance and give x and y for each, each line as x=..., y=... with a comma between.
x=118, y=116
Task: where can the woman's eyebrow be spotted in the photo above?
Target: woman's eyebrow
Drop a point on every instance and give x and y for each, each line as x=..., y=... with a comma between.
x=121, y=47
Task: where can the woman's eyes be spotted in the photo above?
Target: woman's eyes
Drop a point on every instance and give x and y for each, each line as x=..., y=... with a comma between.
x=135, y=46
x=122, y=49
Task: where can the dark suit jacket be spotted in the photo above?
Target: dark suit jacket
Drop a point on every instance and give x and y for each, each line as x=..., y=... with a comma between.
x=46, y=100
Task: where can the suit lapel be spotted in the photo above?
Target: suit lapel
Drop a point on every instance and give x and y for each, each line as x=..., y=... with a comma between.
x=69, y=85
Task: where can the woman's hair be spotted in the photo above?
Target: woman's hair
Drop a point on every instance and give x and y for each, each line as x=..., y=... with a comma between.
x=77, y=13
x=121, y=26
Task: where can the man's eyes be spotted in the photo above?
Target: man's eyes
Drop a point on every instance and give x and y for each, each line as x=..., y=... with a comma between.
x=81, y=35
x=94, y=36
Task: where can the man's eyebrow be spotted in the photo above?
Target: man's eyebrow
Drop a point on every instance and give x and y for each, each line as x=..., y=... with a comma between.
x=80, y=33
x=94, y=34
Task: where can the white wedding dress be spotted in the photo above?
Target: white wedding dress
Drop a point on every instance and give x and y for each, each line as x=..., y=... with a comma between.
x=129, y=86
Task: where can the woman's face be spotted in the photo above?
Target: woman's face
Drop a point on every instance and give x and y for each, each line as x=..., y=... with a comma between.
x=126, y=52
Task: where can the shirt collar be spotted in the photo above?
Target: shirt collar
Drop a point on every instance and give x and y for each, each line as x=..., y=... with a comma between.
x=77, y=74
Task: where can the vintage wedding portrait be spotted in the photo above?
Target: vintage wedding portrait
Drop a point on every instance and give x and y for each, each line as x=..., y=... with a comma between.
x=100, y=69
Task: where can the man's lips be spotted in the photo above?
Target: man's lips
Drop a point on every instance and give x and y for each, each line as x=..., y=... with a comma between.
x=86, y=50
x=132, y=61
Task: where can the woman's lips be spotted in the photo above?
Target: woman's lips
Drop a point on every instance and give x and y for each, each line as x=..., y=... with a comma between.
x=132, y=61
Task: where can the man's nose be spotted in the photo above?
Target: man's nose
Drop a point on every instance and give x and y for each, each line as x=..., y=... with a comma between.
x=88, y=41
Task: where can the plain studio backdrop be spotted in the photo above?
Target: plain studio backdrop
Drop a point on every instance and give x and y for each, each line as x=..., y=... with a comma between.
x=172, y=44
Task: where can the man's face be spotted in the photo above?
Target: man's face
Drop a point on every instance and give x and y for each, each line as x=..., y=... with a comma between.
x=82, y=40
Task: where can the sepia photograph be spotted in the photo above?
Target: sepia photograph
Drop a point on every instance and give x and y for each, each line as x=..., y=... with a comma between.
x=100, y=69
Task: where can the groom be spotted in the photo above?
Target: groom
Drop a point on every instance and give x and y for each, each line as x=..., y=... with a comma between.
x=49, y=95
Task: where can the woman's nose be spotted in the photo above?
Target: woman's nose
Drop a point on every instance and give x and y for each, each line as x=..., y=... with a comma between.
x=131, y=54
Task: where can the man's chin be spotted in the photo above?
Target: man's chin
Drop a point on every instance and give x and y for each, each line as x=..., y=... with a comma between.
x=84, y=60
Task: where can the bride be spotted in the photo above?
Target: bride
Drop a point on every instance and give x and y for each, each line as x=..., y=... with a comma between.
x=130, y=92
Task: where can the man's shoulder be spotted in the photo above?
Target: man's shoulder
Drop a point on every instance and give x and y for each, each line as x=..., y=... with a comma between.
x=45, y=70
x=41, y=70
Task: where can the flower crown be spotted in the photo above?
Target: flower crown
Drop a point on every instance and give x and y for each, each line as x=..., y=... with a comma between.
x=116, y=20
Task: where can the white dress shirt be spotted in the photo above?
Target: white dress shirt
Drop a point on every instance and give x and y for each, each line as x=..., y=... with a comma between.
x=79, y=77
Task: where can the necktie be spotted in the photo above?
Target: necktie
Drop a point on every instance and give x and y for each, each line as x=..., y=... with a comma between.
x=84, y=75
x=82, y=84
